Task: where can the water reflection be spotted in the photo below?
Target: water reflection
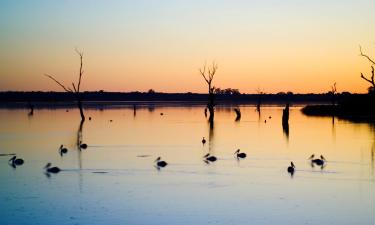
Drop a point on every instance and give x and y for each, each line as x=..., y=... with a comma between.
x=333, y=129
x=116, y=176
x=211, y=136
x=286, y=131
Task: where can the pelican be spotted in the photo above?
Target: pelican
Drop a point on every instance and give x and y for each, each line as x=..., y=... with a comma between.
x=203, y=141
x=63, y=150
x=291, y=168
x=210, y=158
x=83, y=145
x=15, y=161
x=240, y=154
x=319, y=162
x=160, y=163
x=50, y=169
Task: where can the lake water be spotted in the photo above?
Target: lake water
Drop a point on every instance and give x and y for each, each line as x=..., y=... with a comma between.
x=114, y=180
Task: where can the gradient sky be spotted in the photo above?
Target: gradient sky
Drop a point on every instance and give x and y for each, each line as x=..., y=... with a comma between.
x=299, y=46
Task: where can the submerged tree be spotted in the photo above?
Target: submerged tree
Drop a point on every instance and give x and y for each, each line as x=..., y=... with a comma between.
x=333, y=93
x=76, y=87
x=238, y=114
x=371, y=89
x=259, y=99
x=208, y=74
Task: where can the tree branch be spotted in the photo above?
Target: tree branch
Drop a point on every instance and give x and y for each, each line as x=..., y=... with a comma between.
x=366, y=56
x=80, y=53
x=61, y=85
x=203, y=72
x=372, y=77
x=209, y=76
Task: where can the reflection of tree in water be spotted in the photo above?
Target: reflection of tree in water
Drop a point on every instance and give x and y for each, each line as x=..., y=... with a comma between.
x=333, y=128
x=151, y=107
x=78, y=143
x=372, y=147
x=285, y=121
x=372, y=155
x=211, y=137
x=286, y=131
x=79, y=152
x=259, y=115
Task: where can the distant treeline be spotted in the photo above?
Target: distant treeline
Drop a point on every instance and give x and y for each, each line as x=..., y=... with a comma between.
x=52, y=97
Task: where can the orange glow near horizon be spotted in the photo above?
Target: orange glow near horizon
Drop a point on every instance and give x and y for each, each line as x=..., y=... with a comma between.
x=128, y=46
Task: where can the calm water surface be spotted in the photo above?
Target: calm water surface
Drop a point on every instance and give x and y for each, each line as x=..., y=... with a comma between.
x=114, y=180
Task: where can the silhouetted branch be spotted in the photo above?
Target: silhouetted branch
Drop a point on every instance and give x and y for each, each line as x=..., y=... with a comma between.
x=371, y=81
x=333, y=91
x=333, y=88
x=61, y=85
x=372, y=77
x=208, y=75
x=80, y=68
x=76, y=87
x=366, y=56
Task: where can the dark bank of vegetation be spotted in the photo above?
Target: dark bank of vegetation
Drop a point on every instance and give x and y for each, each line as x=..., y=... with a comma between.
x=13, y=97
x=352, y=107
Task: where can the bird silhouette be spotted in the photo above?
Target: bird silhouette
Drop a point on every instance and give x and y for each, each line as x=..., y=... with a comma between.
x=50, y=169
x=239, y=154
x=63, y=150
x=209, y=158
x=160, y=163
x=291, y=168
x=318, y=162
x=16, y=162
x=82, y=145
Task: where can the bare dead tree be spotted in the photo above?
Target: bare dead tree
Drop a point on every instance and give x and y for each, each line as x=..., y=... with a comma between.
x=259, y=99
x=208, y=74
x=370, y=80
x=31, y=107
x=333, y=92
x=76, y=87
x=238, y=114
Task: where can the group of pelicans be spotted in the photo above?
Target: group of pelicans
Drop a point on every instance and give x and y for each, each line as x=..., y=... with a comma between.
x=314, y=161
x=14, y=161
x=208, y=158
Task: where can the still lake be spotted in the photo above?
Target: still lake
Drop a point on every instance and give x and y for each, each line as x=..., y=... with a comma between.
x=114, y=180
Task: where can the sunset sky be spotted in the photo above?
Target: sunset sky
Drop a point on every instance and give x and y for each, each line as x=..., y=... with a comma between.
x=285, y=45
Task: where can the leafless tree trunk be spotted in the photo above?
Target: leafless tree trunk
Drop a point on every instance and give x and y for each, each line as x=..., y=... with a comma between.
x=333, y=92
x=286, y=115
x=371, y=80
x=208, y=74
x=259, y=100
x=76, y=87
x=238, y=114
x=31, y=107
